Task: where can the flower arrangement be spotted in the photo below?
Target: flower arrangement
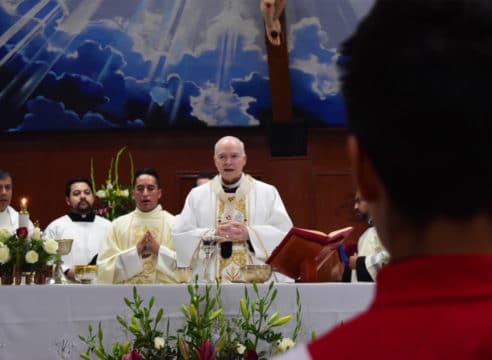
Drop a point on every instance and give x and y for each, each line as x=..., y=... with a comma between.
x=21, y=253
x=207, y=334
x=114, y=199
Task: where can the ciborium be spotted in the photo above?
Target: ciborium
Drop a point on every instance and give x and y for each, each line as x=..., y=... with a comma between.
x=64, y=248
x=256, y=273
x=85, y=274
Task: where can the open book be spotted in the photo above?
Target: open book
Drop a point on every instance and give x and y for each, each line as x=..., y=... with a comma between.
x=303, y=254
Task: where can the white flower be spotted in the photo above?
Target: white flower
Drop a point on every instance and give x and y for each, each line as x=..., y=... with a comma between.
x=5, y=234
x=284, y=345
x=36, y=234
x=50, y=246
x=109, y=186
x=125, y=193
x=32, y=257
x=101, y=194
x=4, y=254
x=159, y=342
x=240, y=348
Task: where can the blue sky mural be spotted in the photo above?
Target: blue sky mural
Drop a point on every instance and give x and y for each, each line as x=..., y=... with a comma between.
x=94, y=64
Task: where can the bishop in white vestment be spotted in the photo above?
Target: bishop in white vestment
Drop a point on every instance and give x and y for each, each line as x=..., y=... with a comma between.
x=246, y=213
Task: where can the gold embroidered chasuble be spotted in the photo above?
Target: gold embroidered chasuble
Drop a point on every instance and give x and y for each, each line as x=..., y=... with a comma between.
x=118, y=259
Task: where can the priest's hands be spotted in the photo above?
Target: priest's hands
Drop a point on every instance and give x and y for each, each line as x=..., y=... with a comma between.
x=233, y=231
x=148, y=245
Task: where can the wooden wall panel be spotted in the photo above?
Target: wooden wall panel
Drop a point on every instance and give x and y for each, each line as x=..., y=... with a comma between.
x=314, y=187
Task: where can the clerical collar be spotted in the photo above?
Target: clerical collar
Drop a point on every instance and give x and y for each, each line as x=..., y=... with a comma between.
x=82, y=217
x=231, y=187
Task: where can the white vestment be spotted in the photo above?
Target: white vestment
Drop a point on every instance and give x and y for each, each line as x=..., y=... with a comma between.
x=87, y=238
x=11, y=220
x=261, y=210
x=118, y=260
x=375, y=254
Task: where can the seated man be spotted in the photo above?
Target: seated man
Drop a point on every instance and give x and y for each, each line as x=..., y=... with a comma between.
x=416, y=82
x=371, y=255
x=81, y=224
x=9, y=217
x=139, y=247
x=247, y=214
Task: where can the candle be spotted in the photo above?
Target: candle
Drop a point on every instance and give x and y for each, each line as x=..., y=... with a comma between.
x=24, y=204
x=23, y=214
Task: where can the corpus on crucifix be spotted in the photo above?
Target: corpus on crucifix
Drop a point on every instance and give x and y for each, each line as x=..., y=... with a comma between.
x=271, y=11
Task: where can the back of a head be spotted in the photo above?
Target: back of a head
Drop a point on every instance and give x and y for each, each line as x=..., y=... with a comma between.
x=416, y=78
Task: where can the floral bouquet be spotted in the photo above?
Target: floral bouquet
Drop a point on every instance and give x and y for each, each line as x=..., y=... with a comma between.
x=21, y=253
x=114, y=199
x=206, y=333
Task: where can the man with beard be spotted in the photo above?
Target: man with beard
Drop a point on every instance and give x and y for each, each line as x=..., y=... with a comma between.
x=371, y=255
x=80, y=224
x=9, y=217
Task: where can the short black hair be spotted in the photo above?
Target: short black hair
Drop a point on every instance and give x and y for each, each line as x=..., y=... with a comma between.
x=68, y=186
x=416, y=82
x=147, y=171
x=4, y=174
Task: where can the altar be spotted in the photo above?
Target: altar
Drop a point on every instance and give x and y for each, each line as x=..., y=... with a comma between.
x=44, y=322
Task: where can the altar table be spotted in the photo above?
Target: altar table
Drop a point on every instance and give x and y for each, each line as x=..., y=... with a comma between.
x=43, y=322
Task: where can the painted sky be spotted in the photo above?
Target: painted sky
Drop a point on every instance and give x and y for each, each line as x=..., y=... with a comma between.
x=77, y=64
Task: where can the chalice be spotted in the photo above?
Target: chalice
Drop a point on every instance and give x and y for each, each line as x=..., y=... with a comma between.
x=209, y=246
x=64, y=248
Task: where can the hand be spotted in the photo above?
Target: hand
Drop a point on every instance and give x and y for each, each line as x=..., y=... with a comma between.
x=352, y=262
x=233, y=231
x=148, y=245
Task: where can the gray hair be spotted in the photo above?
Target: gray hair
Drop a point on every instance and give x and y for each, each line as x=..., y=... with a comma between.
x=232, y=139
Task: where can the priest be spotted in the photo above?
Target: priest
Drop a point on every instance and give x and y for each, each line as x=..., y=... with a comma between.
x=246, y=216
x=9, y=217
x=81, y=224
x=139, y=247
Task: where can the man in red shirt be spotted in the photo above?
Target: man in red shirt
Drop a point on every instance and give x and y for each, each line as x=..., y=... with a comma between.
x=416, y=81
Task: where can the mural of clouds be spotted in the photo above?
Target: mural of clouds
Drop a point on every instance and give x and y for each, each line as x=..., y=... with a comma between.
x=161, y=63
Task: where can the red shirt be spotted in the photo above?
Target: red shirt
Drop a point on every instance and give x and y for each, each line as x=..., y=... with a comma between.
x=435, y=307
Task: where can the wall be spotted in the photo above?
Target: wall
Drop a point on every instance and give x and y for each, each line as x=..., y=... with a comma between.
x=316, y=189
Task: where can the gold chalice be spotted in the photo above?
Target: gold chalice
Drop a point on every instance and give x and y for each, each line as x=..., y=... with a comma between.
x=184, y=274
x=256, y=273
x=64, y=248
x=85, y=274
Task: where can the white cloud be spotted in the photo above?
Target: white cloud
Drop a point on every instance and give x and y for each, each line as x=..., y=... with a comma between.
x=325, y=75
x=218, y=108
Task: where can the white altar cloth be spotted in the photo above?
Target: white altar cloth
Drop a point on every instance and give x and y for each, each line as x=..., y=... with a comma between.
x=43, y=322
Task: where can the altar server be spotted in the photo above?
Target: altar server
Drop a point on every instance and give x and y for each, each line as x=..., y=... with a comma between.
x=81, y=224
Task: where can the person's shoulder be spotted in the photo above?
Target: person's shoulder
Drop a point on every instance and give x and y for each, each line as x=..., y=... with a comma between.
x=167, y=214
x=122, y=218
x=102, y=219
x=11, y=210
x=58, y=221
x=263, y=186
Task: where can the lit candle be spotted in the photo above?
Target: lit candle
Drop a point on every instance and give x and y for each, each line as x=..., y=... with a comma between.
x=24, y=204
x=23, y=214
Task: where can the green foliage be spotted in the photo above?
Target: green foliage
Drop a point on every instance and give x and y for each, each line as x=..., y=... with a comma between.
x=206, y=333
x=114, y=199
x=142, y=327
